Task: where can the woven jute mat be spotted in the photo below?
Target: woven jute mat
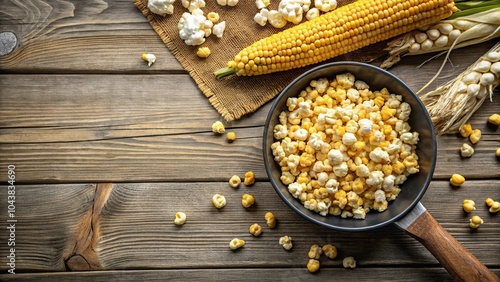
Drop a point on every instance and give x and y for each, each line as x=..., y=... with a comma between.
x=233, y=97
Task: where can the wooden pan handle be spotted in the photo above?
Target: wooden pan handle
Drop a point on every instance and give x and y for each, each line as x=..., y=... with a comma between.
x=458, y=261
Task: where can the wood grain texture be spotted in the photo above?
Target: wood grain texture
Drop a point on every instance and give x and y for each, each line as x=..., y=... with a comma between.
x=73, y=36
x=132, y=228
x=49, y=221
x=265, y=275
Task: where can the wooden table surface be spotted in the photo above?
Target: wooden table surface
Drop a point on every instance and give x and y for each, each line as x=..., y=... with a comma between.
x=106, y=150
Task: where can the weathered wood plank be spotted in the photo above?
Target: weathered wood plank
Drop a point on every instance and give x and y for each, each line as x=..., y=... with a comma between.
x=69, y=36
x=50, y=222
x=262, y=274
x=134, y=228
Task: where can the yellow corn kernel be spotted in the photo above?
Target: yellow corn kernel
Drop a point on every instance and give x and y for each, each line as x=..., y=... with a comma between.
x=270, y=219
x=489, y=202
x=231, y=136
x=465, y=130
x=330, y=251
x=180, y=218
x=313, y=265
x=255, y=229
x=497, y=153
x=399, y=167
x=213, y=17
x=236, y=244
x=247, y=200
x=495, y=119
x=219, y=201
x=249, y=178
x=203, y=52
x=386, y=113
x=315, y=251
x=457, y=179
x=469, y=205
x=475, y=136
x=495, y=207
x=475, y=222
x=234, y=181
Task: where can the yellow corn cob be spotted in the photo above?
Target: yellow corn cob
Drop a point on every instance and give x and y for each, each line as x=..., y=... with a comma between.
x=340, y=31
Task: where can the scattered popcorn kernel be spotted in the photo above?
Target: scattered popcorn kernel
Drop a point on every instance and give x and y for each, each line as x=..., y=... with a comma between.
x=218, y=127
x=330, y=251
x=203, y=52
x=457, y=179
x=469, y=205
x=213, y=17
x=255, y=229
x=497, y=153
x=349, y=262
x=466, y=150
x=219, y=201
x=465, y=130
x=249, y=178
x=180, y=218
x=236, y=244
x=495, y=207
x=475, y=222
x=315, y=252
x=235, y=181
x=247, y=200
x=286, y=242
x=313, y=265
x=475, y=136
x=231, y=136
x=489, y=202
x=150, y=58
x=494, y=119
x=270, y=219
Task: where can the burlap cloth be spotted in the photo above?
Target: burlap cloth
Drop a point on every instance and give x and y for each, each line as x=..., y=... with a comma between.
x=233, y=97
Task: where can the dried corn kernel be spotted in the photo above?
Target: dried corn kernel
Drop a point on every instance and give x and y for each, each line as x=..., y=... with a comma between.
x=495, y=207
x=235, y=181
x=203, y=52
x=249, y=178
x=457, y=179
x=270, y=219
x=247, y=200
x=219, y=201
x=330, y=251
x=469, y=205
x=489, y=202
x=314, y=252
x=465, y=130
x=475, y=136
x=475, y=222
x=313, y=265
x=231, y=136
x=236, y=244
x=255, y=229
x=180, y=218
x=349, y=262
x=494, y=119
x=286, y=242
x=213, y=17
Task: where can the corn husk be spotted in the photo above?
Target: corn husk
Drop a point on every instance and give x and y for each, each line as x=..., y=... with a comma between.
x=479, y=27
x=450, y=107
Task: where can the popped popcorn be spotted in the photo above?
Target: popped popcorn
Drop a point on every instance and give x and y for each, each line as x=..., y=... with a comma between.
x=343, y=148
